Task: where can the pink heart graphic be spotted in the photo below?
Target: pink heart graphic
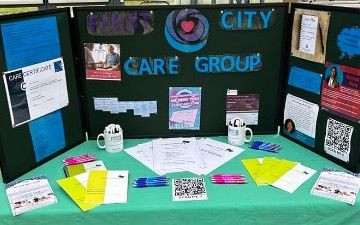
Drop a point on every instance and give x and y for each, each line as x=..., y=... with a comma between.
x=187, y=25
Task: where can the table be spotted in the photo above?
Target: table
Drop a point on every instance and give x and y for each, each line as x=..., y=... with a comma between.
x=227, y=204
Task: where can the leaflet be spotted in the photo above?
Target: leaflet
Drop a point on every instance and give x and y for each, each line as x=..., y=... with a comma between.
x=337, y=185
x=293, y=179
x=29, y=194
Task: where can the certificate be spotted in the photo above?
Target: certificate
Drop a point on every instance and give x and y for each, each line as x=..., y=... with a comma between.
x=36, y=90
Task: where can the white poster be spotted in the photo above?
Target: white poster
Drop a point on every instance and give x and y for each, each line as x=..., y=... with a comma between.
x=300, y=118
x=36, y=90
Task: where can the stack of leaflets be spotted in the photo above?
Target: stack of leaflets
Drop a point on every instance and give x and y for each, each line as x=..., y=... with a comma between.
x=280, y=173
x=338, y=185
x=168, y=155
x=75, y=169
x=29, y=194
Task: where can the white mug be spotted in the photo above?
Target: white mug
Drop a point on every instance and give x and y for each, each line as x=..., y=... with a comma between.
x=113, y=140
x=237, y=134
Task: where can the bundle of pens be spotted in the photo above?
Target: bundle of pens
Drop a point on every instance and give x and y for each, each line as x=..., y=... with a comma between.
x=151, y=182
x=265, y=146
x=228, y=179
x=73, y=160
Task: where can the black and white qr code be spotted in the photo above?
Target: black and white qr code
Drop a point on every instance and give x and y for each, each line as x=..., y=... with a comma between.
x=338, y=139
x=189, y=189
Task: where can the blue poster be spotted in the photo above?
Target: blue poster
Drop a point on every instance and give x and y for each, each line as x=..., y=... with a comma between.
x=47, y=134
x=32, y=41
x=305, y=79
x=184, y=108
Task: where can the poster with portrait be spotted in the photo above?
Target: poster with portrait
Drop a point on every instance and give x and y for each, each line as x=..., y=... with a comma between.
x=300, y=118
x=102, y=61
x=341, y=91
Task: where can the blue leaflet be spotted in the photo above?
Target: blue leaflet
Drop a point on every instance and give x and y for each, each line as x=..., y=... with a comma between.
x=47, y=134
x=32, y=41
x=305, y=79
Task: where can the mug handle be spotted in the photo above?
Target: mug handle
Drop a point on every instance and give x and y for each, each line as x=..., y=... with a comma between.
x=251, y=134
x=97, y=140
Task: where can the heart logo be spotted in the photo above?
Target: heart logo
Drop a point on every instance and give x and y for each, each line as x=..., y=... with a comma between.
x=187, y=26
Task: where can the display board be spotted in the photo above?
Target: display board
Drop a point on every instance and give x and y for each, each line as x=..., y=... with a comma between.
x=39, y=100
x=322, y=101
x=171, y=67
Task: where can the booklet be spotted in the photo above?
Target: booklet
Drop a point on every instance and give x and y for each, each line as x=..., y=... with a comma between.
x=73, y=170
x=338, y=185
x=29, y=194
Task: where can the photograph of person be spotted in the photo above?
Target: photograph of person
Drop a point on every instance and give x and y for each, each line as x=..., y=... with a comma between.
x=102, y=61
x=89, y=59
x=112, y=59
x=332, y=81
x=289, y=126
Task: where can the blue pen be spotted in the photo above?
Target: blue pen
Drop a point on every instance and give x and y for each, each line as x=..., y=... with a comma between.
x=150, y=181
x=150, y=185
x=153, y=178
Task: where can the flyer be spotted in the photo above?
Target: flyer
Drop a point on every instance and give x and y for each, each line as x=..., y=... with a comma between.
x=300, y=118
x=36, y=90
x=244, y=106
x=337, y=185
x=341, y=91
x=184, y=108
x=29, y=194
x=102, y=61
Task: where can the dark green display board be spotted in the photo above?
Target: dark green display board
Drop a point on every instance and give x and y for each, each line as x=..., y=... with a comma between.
x=270, y=43
x=341, y=143
x=289, y=83
x=17, y=154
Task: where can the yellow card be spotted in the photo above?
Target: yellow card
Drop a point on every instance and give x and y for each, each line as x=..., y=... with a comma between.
x=277, y=170
x=252, y=166
x=95, y=190
x=76, y=191
x=267, y=164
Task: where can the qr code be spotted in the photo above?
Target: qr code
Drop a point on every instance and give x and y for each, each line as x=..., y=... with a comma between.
x=338, y=139
x=189, y=189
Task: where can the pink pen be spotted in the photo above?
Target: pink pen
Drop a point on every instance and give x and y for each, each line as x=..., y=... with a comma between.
x=229, y=182
x=227, y=175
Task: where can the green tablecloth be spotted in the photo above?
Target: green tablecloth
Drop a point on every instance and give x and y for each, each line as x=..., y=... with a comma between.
x=226, y=204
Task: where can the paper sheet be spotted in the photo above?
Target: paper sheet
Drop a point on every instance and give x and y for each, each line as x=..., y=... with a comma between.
x=47, y=135
x=95, y=189
x=29, y=194
x=276, y=171
x=112, y=105
x=308, y=31
x=36, y=90
x=75, y=188
x=184, y=108
x=300, y=118
x=294, y=178
x=215, y=154
x=337, y=185
x=177, y=153
x=253, y=166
